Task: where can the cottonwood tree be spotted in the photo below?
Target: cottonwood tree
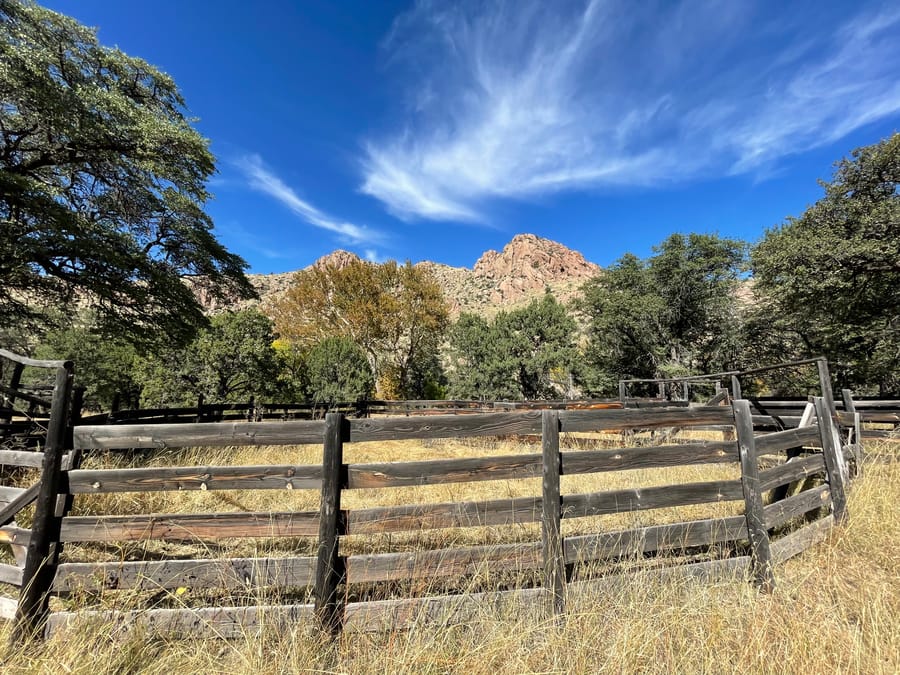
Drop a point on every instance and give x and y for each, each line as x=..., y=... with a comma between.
x=102, y=185
x=397, y=315
x=674, y=313
x=828, y=282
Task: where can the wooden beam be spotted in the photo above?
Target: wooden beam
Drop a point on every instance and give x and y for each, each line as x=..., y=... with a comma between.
x=44, y=543
x=554, y=568
x=495, y=558
x=639, y=499
x=226, y=623
x=115, y=437
x=636, y=418
x=228, y=574
x=777, y=514
x=155, y=479
x=796, y=469
x=804, y=538
x=761, y=555
x=674, y=536
x=329, y=566
x=189, y=526
x=834, y=460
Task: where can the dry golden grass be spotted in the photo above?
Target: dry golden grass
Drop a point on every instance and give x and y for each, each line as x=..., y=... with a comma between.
x=836, y=607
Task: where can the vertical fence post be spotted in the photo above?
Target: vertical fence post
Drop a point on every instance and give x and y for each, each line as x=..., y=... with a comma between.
x=825, y=383
x=329, y=567
x=847, y=397
x=551, y=516
x=736, y=388
x=200, y=401
x=622, y=392
x=834, y=459
x=850, y=407
x=760, y=551
x=14, y=381
x=44, y=545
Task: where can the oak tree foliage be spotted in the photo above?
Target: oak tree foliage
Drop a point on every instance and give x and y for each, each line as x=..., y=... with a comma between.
x=525, y=353
x=672, y=314
x=229, y=361
x=828, y=281
x=102, y=185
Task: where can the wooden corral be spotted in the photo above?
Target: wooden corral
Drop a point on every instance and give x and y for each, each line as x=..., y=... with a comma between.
x=339, y=583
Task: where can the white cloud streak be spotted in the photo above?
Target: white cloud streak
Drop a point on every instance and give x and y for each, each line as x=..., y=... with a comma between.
x=525, y=98
x=262, y=179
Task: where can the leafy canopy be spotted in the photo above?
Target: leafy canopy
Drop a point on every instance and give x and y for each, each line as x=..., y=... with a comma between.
x=397, y=315
x=338, y=371
x=231, y=360
x=102, y=184
x=828, y=282
x=673, y=313
x=526, y=353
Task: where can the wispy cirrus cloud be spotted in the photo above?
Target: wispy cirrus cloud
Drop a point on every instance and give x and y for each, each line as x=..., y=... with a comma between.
x=523, y=98
x=262, y=179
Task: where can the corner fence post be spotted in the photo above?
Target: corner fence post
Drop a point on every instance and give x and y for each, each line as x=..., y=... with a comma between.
x=329, y=566
x=760, y=550
x=551, y=512
x=44, y=545
x=834, y=459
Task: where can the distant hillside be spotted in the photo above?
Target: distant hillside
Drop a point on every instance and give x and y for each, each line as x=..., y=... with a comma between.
x=525, y=267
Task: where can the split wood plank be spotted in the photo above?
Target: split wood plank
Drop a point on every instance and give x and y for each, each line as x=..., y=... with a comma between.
x=189, y=526
x=155, y=479
x=113, y=437
x=229, y=574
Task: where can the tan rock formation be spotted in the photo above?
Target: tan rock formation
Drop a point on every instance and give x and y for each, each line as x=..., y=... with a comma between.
x=523, y=270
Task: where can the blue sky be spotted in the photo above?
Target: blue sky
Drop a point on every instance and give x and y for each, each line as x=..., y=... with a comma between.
x=437, y=130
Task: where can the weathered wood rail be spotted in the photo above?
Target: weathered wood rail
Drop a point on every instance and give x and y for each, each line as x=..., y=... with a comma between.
x=343, y=588
x=255, y=411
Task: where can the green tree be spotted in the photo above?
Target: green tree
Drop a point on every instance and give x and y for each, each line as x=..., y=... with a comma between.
x=477, y=370
x=674, y=313
x=397, y=315
x=537, y=341
x=516, y=356
x=102, y=185
x=229, y=361
x=828, y=282
x=338, y=371
x=104, y=366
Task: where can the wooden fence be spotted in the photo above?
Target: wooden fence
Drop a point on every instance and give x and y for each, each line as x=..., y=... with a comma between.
x=870, y=417
x=344, y=585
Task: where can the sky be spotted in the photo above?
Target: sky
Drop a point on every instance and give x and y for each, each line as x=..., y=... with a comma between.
x=438, y=130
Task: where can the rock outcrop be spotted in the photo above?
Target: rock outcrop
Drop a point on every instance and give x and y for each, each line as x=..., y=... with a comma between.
x=525, y=268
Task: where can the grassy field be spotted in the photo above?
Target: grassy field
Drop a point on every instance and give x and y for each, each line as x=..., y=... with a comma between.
x=836, y=607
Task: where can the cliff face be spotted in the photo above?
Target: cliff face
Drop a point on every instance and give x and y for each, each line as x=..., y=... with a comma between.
x=523, y=270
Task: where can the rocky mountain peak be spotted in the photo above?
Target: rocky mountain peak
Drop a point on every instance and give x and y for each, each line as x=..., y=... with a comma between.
x=529, y=264
x=523, y=270
x=339, y=259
